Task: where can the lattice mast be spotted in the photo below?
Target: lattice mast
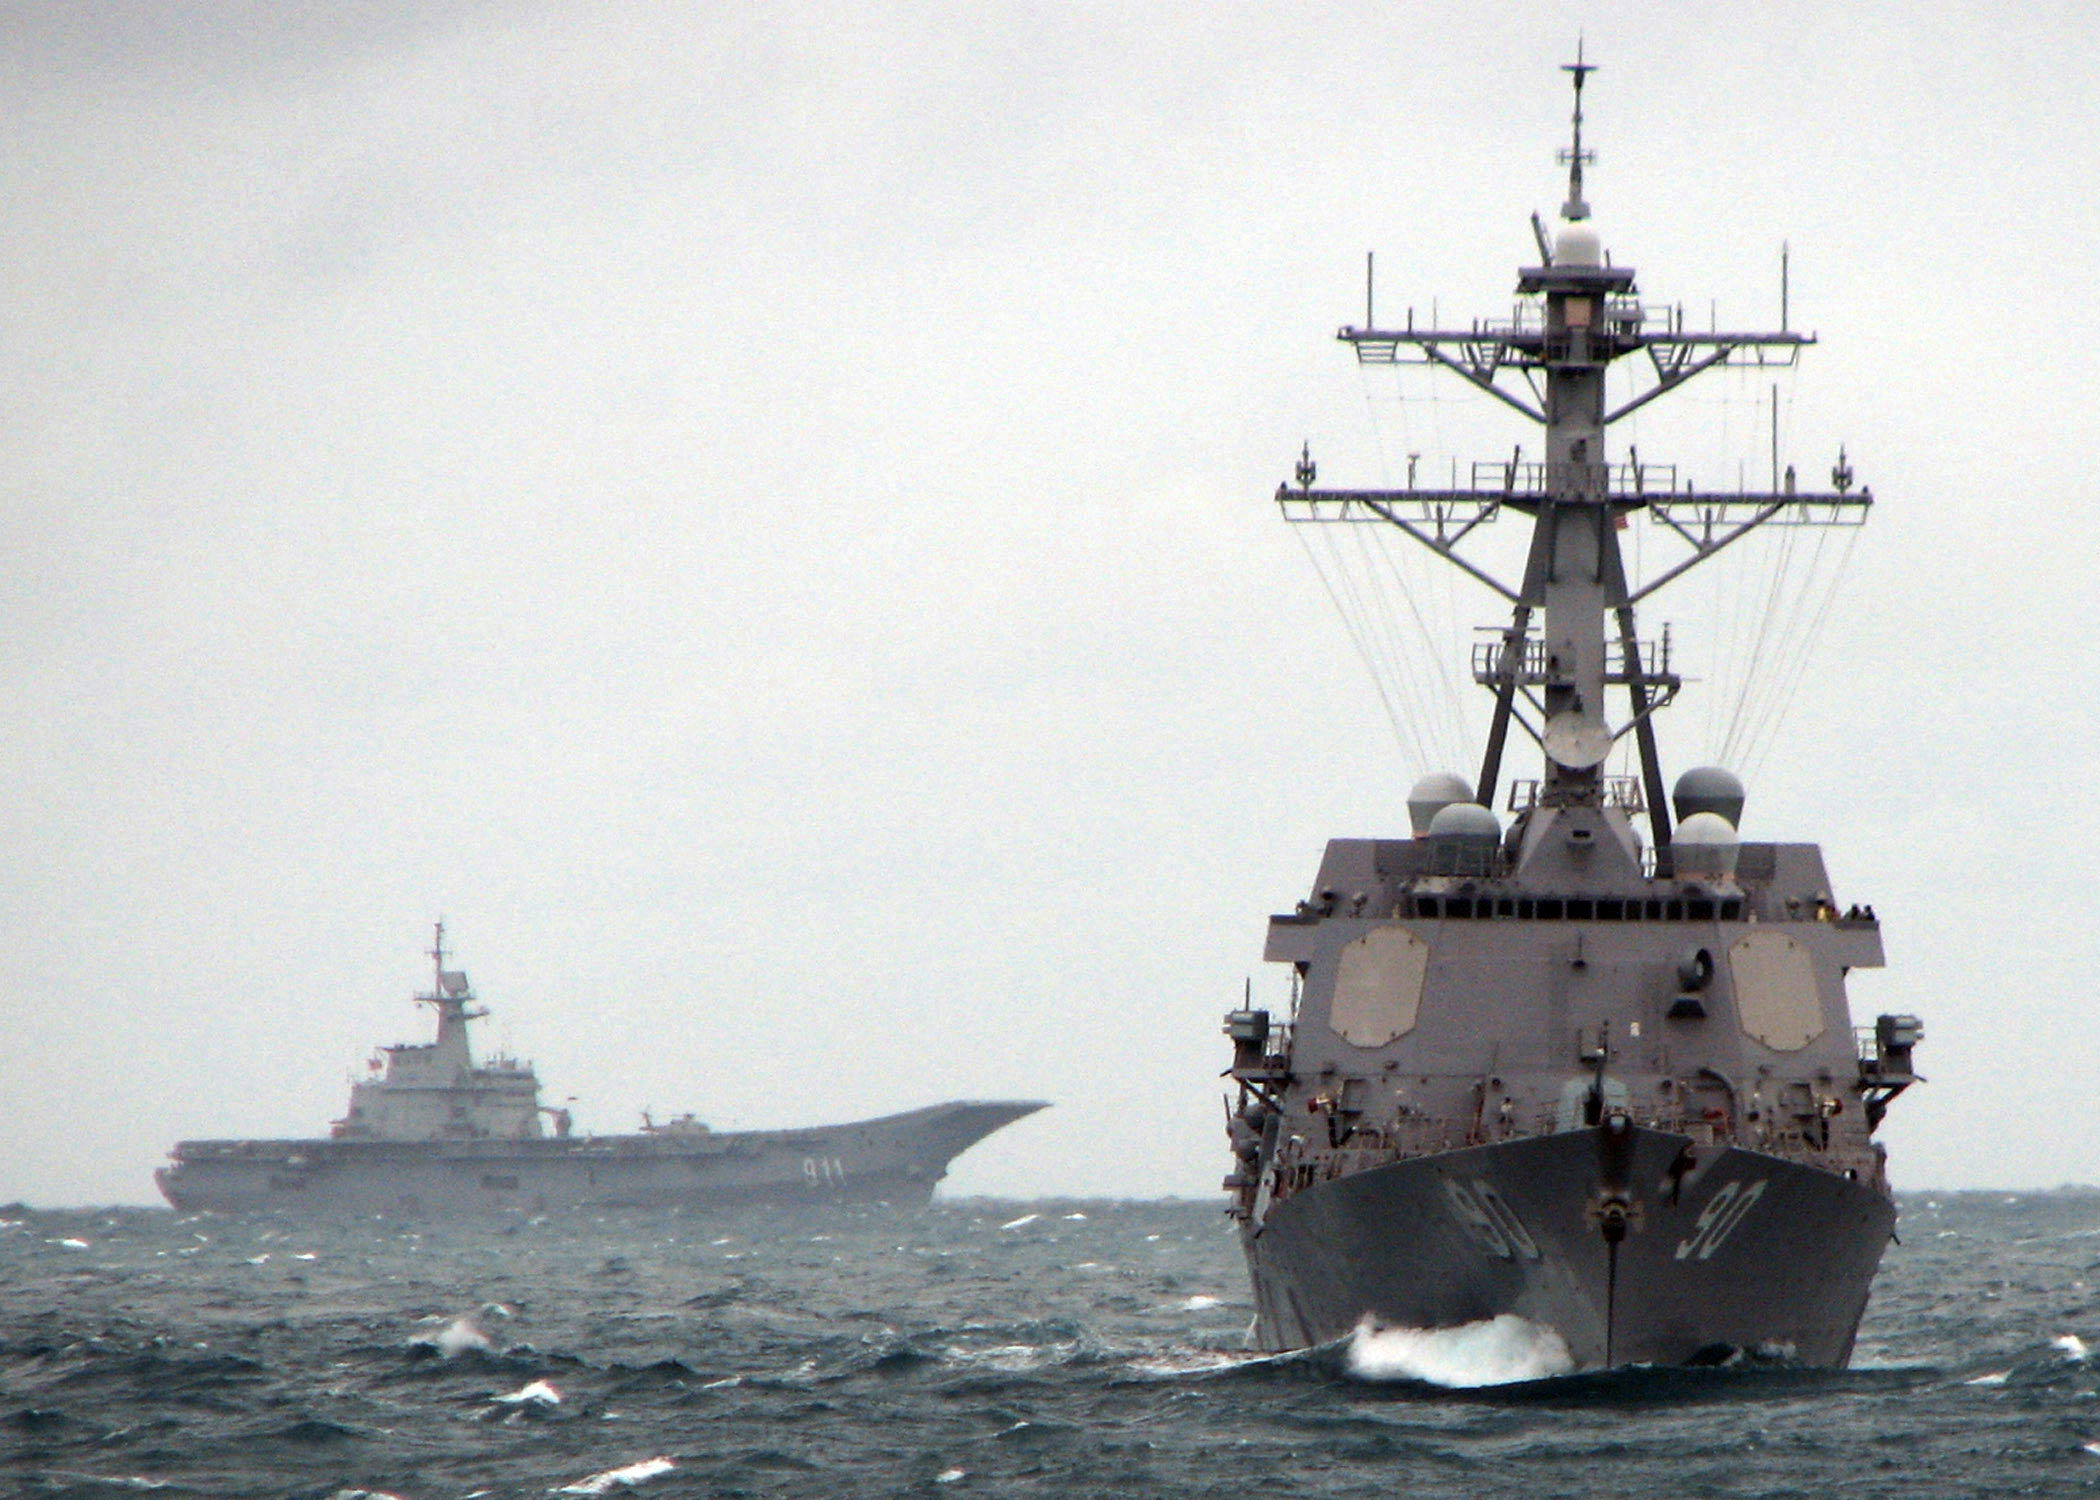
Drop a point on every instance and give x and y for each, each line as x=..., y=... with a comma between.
x=1571, y=634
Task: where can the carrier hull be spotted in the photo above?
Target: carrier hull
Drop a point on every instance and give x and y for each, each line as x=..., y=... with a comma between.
x=1725, y=1250
x=896, y=1158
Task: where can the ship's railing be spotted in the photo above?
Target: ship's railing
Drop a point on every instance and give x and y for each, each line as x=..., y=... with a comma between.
x=1486, y=484
x=1532, y=479
x=1661, y=324
x=1629, y=317
x=1622, y=317
x=1622, y=792
x=1528, y=338
x=1475, y=861
x=1728, y=889
x=1274, y=1065
x=1648, y=663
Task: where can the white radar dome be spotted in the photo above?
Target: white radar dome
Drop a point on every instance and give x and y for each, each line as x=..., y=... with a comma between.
x=1431, y=795
x=1577, y=245
x=1465, y=823
x=1704, y=846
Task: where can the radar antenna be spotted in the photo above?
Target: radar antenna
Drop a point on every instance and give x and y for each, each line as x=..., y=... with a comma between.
x=1575, y=210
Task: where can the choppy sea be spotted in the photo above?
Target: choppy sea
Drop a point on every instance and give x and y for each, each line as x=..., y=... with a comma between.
x=971, y=1348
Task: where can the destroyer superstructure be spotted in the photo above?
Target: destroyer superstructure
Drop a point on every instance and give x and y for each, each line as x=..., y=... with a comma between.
x=1606, y=1084
x=434, y=1132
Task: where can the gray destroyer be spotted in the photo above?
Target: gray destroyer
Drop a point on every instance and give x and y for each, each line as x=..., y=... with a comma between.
x=433, y=1131
x=1560, y=1072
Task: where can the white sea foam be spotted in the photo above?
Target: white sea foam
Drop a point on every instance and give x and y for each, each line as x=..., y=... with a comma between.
x=1180, y=1363
x=539, y=1393
x=2074, y=1347
x=1013, y=1359
x=456, y=1338
x=1200, y=1303
x=950, y=1476
x=624, y=1478
x=1499, y=1351
x=1017, y=1223
x=1996, y=1377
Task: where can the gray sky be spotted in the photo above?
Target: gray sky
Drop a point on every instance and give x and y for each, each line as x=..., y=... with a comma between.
x=756, y=516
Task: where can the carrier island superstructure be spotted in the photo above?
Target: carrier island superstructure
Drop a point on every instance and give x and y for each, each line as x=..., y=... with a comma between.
x=433, y=1131
x=1557, y=1071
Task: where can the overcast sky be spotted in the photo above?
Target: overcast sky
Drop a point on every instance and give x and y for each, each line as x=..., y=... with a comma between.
x=757, y=516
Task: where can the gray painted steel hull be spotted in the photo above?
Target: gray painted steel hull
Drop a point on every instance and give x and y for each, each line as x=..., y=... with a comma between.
x=897, y=1158
x=1454, y=1238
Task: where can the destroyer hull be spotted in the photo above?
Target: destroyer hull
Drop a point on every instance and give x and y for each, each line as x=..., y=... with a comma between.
x=896, y=1158
x=1724, y=1250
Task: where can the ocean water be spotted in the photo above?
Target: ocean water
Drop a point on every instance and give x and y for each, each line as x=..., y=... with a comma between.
x=972, y=1348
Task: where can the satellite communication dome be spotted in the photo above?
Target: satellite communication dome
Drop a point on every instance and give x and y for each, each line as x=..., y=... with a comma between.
x=1431, y=795
x=1709, y=789
x=1704, y=846
x=1578, y=245
x=1465, y=823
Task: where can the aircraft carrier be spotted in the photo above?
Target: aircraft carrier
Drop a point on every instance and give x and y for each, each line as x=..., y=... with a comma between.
x=434, y=1132
x=1558, y=1071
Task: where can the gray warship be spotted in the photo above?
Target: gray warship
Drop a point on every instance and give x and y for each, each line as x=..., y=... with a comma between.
x=1557, y=1072
x=434, y=1132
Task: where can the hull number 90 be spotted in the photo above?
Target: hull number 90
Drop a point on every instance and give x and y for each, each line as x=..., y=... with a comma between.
x=1490, y=1219
x=1728, y=1207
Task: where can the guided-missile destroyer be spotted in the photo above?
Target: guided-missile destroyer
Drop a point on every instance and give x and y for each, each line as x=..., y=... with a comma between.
x=433, y=1131
x=1556, y=1071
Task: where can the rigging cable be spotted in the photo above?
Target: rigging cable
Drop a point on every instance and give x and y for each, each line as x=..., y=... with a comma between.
x=1402, y=730
x=1769, y=733
x=1432, y=695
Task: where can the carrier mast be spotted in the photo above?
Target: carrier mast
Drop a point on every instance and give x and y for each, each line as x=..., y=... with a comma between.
x=452, y=997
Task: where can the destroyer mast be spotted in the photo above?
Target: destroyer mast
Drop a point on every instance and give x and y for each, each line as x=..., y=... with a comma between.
x=1553, y=1073
x=1571, y=633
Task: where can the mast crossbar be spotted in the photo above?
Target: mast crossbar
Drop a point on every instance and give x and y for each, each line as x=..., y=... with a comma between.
x=1378, y=505
x=1628, y=487
x=1708, y=508
x=1526, y=344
